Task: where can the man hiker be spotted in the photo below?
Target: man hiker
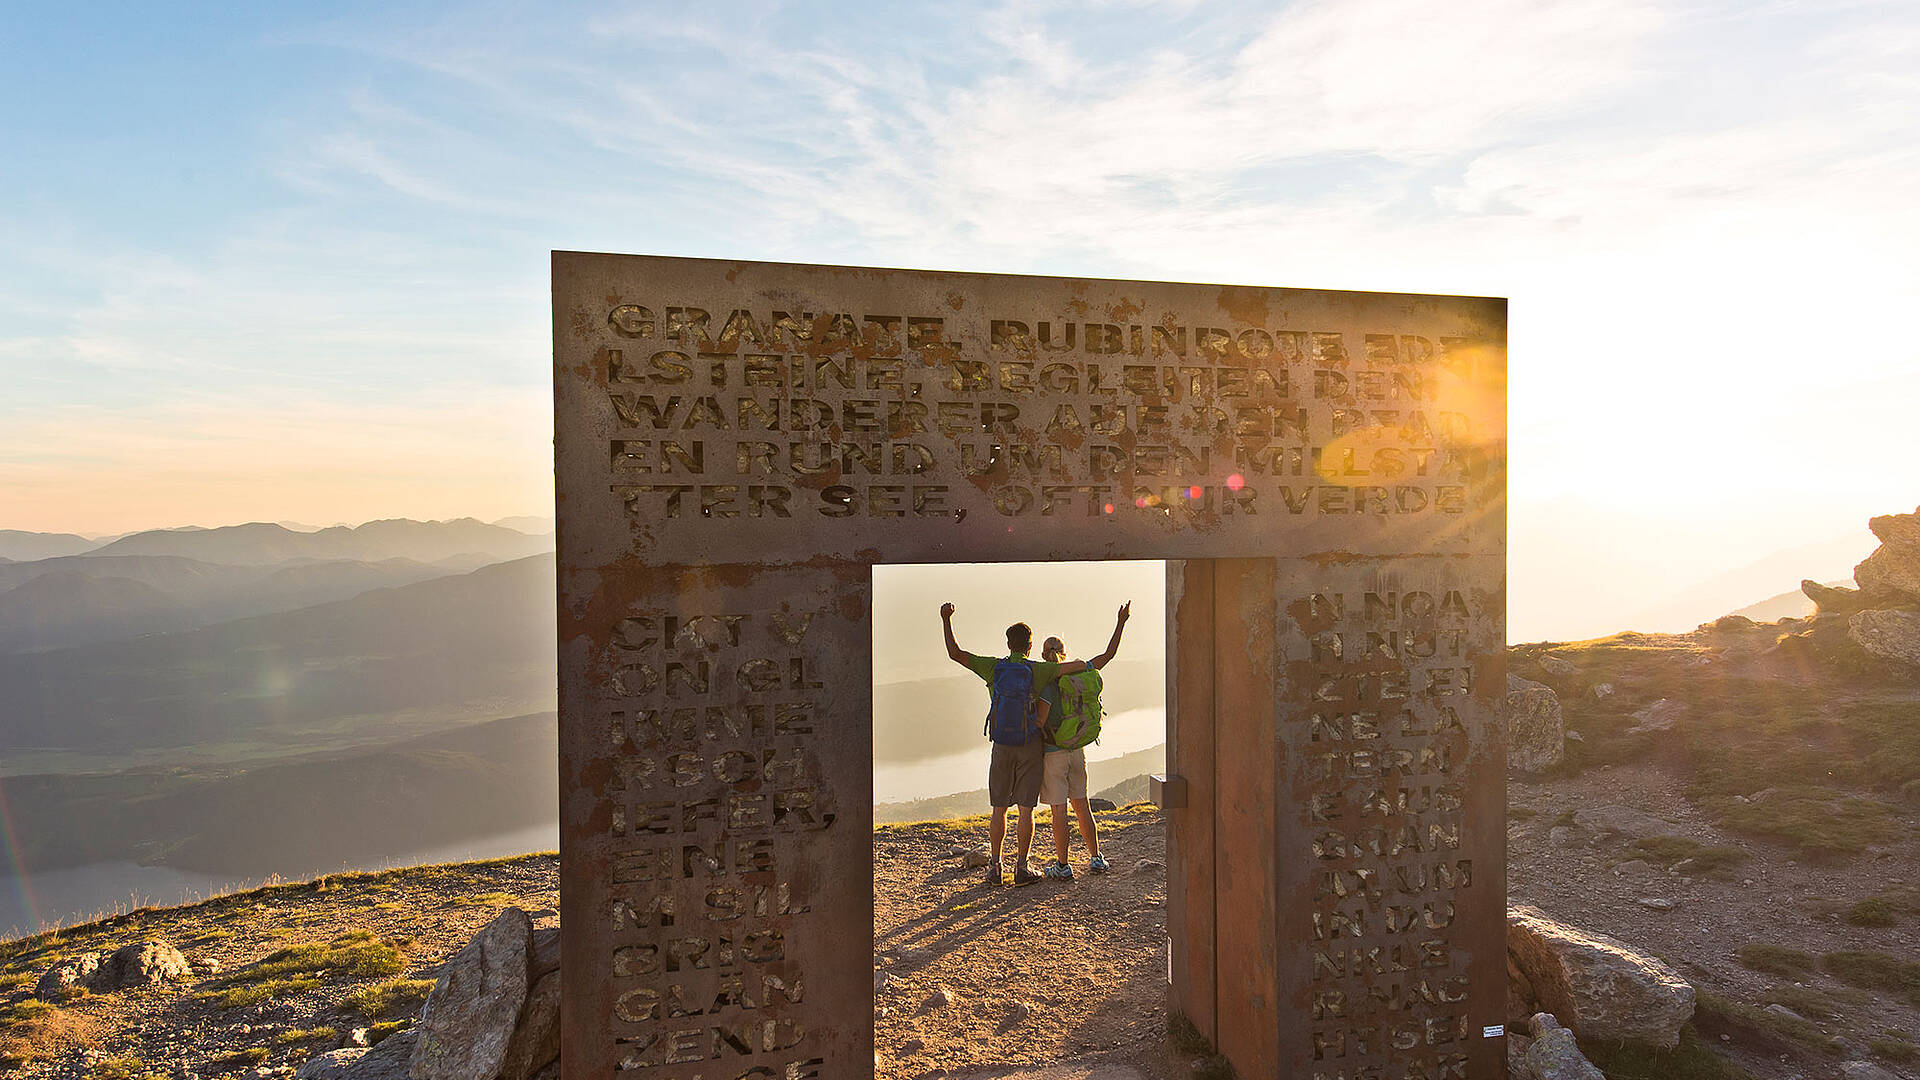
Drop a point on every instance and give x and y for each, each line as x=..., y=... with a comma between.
x=1072, y=704
x=1015, y=717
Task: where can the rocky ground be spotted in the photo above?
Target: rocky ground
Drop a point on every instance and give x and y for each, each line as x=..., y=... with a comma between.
x=977, y=977
x=979, y=980
x=393, y=930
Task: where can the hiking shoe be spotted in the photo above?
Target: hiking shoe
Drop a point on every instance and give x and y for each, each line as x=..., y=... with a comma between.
x=1060, y=870
x=1098, y=864
x=994, y=875
x=1024, y=875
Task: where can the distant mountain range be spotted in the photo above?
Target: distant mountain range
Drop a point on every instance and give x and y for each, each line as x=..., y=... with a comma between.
x=262, y=543
x=177, y=579
x=79, y=599
x=17, y=546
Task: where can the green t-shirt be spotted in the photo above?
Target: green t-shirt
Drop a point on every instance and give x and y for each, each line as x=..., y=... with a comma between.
x=1044, y=671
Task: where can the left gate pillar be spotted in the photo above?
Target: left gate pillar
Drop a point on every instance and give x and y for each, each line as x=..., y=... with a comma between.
x=716, y=815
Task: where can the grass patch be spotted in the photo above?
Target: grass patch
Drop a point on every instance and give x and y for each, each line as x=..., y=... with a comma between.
x=385, y=998
x=21, y=1011
x=240, y=1059
x=1782, y=960
x=1870, y=970
x=1565, y=818
x=253, y=993
x=1816, y=821
x=296, y=1036
x=1521, y=813
x=299, y=968
x=485, y=899
x=380, y=1031
x=13, y=984
x=1818, y=1004
x=1893, y=1049
x=1873, y=911
x=1691, y=1060
x=123, y=1067
x=1757, y=1021
x=1714, y=861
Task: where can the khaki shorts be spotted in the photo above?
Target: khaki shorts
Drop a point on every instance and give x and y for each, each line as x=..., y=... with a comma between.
x=1013, y=777
x=1066, y=777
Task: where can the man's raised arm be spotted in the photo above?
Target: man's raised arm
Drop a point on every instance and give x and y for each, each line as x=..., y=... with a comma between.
x=1113, y=644
x=954, y=652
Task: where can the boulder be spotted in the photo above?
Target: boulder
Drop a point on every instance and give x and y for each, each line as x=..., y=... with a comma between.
x=1891, y=635
x=1601, y=988
x=67, y=978
x=536, y=1038
x=546, y=952
x=1517, y=1044
x=1659, y=716
x=1536, y=730
x=1101, y=804
x=140, y=964
x=1892, y=573
x=1553, y=1054
x=974, y=860
x=1834, y=600
x=1866, y=1070
x=469, y=1018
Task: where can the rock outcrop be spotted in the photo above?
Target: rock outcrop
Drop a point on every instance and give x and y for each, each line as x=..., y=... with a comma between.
x=1879, y=620
x=494, y=1014
x=67, y=978
x=389, y=1060
x=1890, y=635
x=1553, y=1054
x=469, y=1019
x=1890, y=577
x=1832, y=599
x=1536, y=729
x=142, y=963
x=1596, y=985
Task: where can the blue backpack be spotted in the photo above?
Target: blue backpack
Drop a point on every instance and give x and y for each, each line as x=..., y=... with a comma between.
x=1010, y=719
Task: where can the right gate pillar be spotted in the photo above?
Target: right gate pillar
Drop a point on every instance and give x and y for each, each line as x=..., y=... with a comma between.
x=1335, y=805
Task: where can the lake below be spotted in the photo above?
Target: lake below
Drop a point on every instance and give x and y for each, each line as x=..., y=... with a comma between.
x=81, y=893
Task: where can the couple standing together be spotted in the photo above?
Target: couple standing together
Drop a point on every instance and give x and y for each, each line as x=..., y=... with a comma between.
x=1042, y=714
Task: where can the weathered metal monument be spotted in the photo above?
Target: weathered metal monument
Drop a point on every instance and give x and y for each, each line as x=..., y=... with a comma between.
x=737, y=444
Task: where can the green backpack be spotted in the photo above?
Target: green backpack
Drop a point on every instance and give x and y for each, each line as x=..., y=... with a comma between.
x=1079, y=715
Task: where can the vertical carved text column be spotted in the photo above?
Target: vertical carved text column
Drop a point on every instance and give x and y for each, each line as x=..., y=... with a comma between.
x=716, y=821
x=1391, y=833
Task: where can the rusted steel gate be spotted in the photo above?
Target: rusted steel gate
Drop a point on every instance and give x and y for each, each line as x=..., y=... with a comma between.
x=737, y=444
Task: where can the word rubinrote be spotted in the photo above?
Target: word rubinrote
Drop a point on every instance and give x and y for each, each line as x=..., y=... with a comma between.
x=737, y=444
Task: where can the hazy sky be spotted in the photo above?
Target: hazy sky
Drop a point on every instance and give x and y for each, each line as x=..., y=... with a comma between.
x=289, y=261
